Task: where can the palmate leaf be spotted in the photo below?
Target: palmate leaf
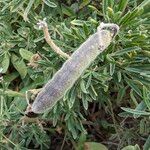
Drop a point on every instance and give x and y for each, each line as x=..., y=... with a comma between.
x=120, y=73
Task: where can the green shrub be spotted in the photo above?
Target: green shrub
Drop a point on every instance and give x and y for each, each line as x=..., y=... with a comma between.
x=109, y=104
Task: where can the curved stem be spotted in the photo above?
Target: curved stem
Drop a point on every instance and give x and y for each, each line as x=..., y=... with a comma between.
x=43, y=25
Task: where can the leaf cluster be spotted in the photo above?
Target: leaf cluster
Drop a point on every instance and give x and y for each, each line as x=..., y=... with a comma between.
x=112, y=96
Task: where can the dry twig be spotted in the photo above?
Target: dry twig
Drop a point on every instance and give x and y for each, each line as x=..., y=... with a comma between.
x=43, y=25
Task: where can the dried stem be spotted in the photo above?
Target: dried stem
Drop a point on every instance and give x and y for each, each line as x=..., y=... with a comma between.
x=43, y=25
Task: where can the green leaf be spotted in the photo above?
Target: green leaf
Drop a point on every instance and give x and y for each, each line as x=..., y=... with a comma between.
x=84, y=101
x=86, y=29
x=110, y=12
x=143, y=126
x=17, y=5
x=67, y=10
x=112, y=69
x=146, y=97
x=84, y=3
x=122, y=5
x=77, y=33
x=111, y=3
x=49, y=3
x=66, y=95
x=133, y=98
x=136, y=112
x=104, y=7
x=94, y=146
x=144, y=3
x=5, y=63
x=143, y=79
x=138, y=70
x=25, y=54
x=70, y=123
x=140, y=107
x=130, y=147
x=132, y=84
x=19, y=103
x=94, y=9
x=110, y=58
x=121, y=94
x=126, y=50
x=19, y=65
x=83, y=86
x=119, y=76
x=72, y=97
x=147, y=144
x=11, y=93
x=24, y=31
x=5, y=7
x=10, y=77
x=26, y=12
x=77, y=22
x=89, y=81
x=125, y=20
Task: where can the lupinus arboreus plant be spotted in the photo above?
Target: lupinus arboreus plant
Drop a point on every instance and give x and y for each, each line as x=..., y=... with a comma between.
x=108, y=104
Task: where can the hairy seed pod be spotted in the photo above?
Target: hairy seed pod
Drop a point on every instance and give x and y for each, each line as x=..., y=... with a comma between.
x=72, y=69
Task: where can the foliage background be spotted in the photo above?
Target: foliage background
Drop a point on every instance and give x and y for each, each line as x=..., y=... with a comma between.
x=109, y=104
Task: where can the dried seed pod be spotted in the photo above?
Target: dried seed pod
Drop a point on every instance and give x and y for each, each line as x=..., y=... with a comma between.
x=72, y=69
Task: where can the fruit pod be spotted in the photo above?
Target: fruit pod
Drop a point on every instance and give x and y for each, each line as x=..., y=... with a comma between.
x=72, y=69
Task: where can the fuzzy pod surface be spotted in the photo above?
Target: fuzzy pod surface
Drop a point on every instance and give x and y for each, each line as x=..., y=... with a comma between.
x=72, y=69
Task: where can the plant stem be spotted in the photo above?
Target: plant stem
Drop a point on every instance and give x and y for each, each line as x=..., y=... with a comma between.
x=44, y=27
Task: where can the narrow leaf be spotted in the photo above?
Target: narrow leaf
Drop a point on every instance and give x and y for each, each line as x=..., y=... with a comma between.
x=136, y=112
x=50, y=4
x=77, y=22
x=11, y=93
x=26, y=12
x=5, y=63
x=146, y=96
x=134, y=86
x=112, y=69
x=83, y=87
x=84, y=101
x=122, y=5
x=126, y=50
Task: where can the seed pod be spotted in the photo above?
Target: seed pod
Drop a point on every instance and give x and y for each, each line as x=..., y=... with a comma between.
x=72, y=69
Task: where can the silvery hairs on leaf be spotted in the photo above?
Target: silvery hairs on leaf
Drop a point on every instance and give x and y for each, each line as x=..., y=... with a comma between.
x=72, y=69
